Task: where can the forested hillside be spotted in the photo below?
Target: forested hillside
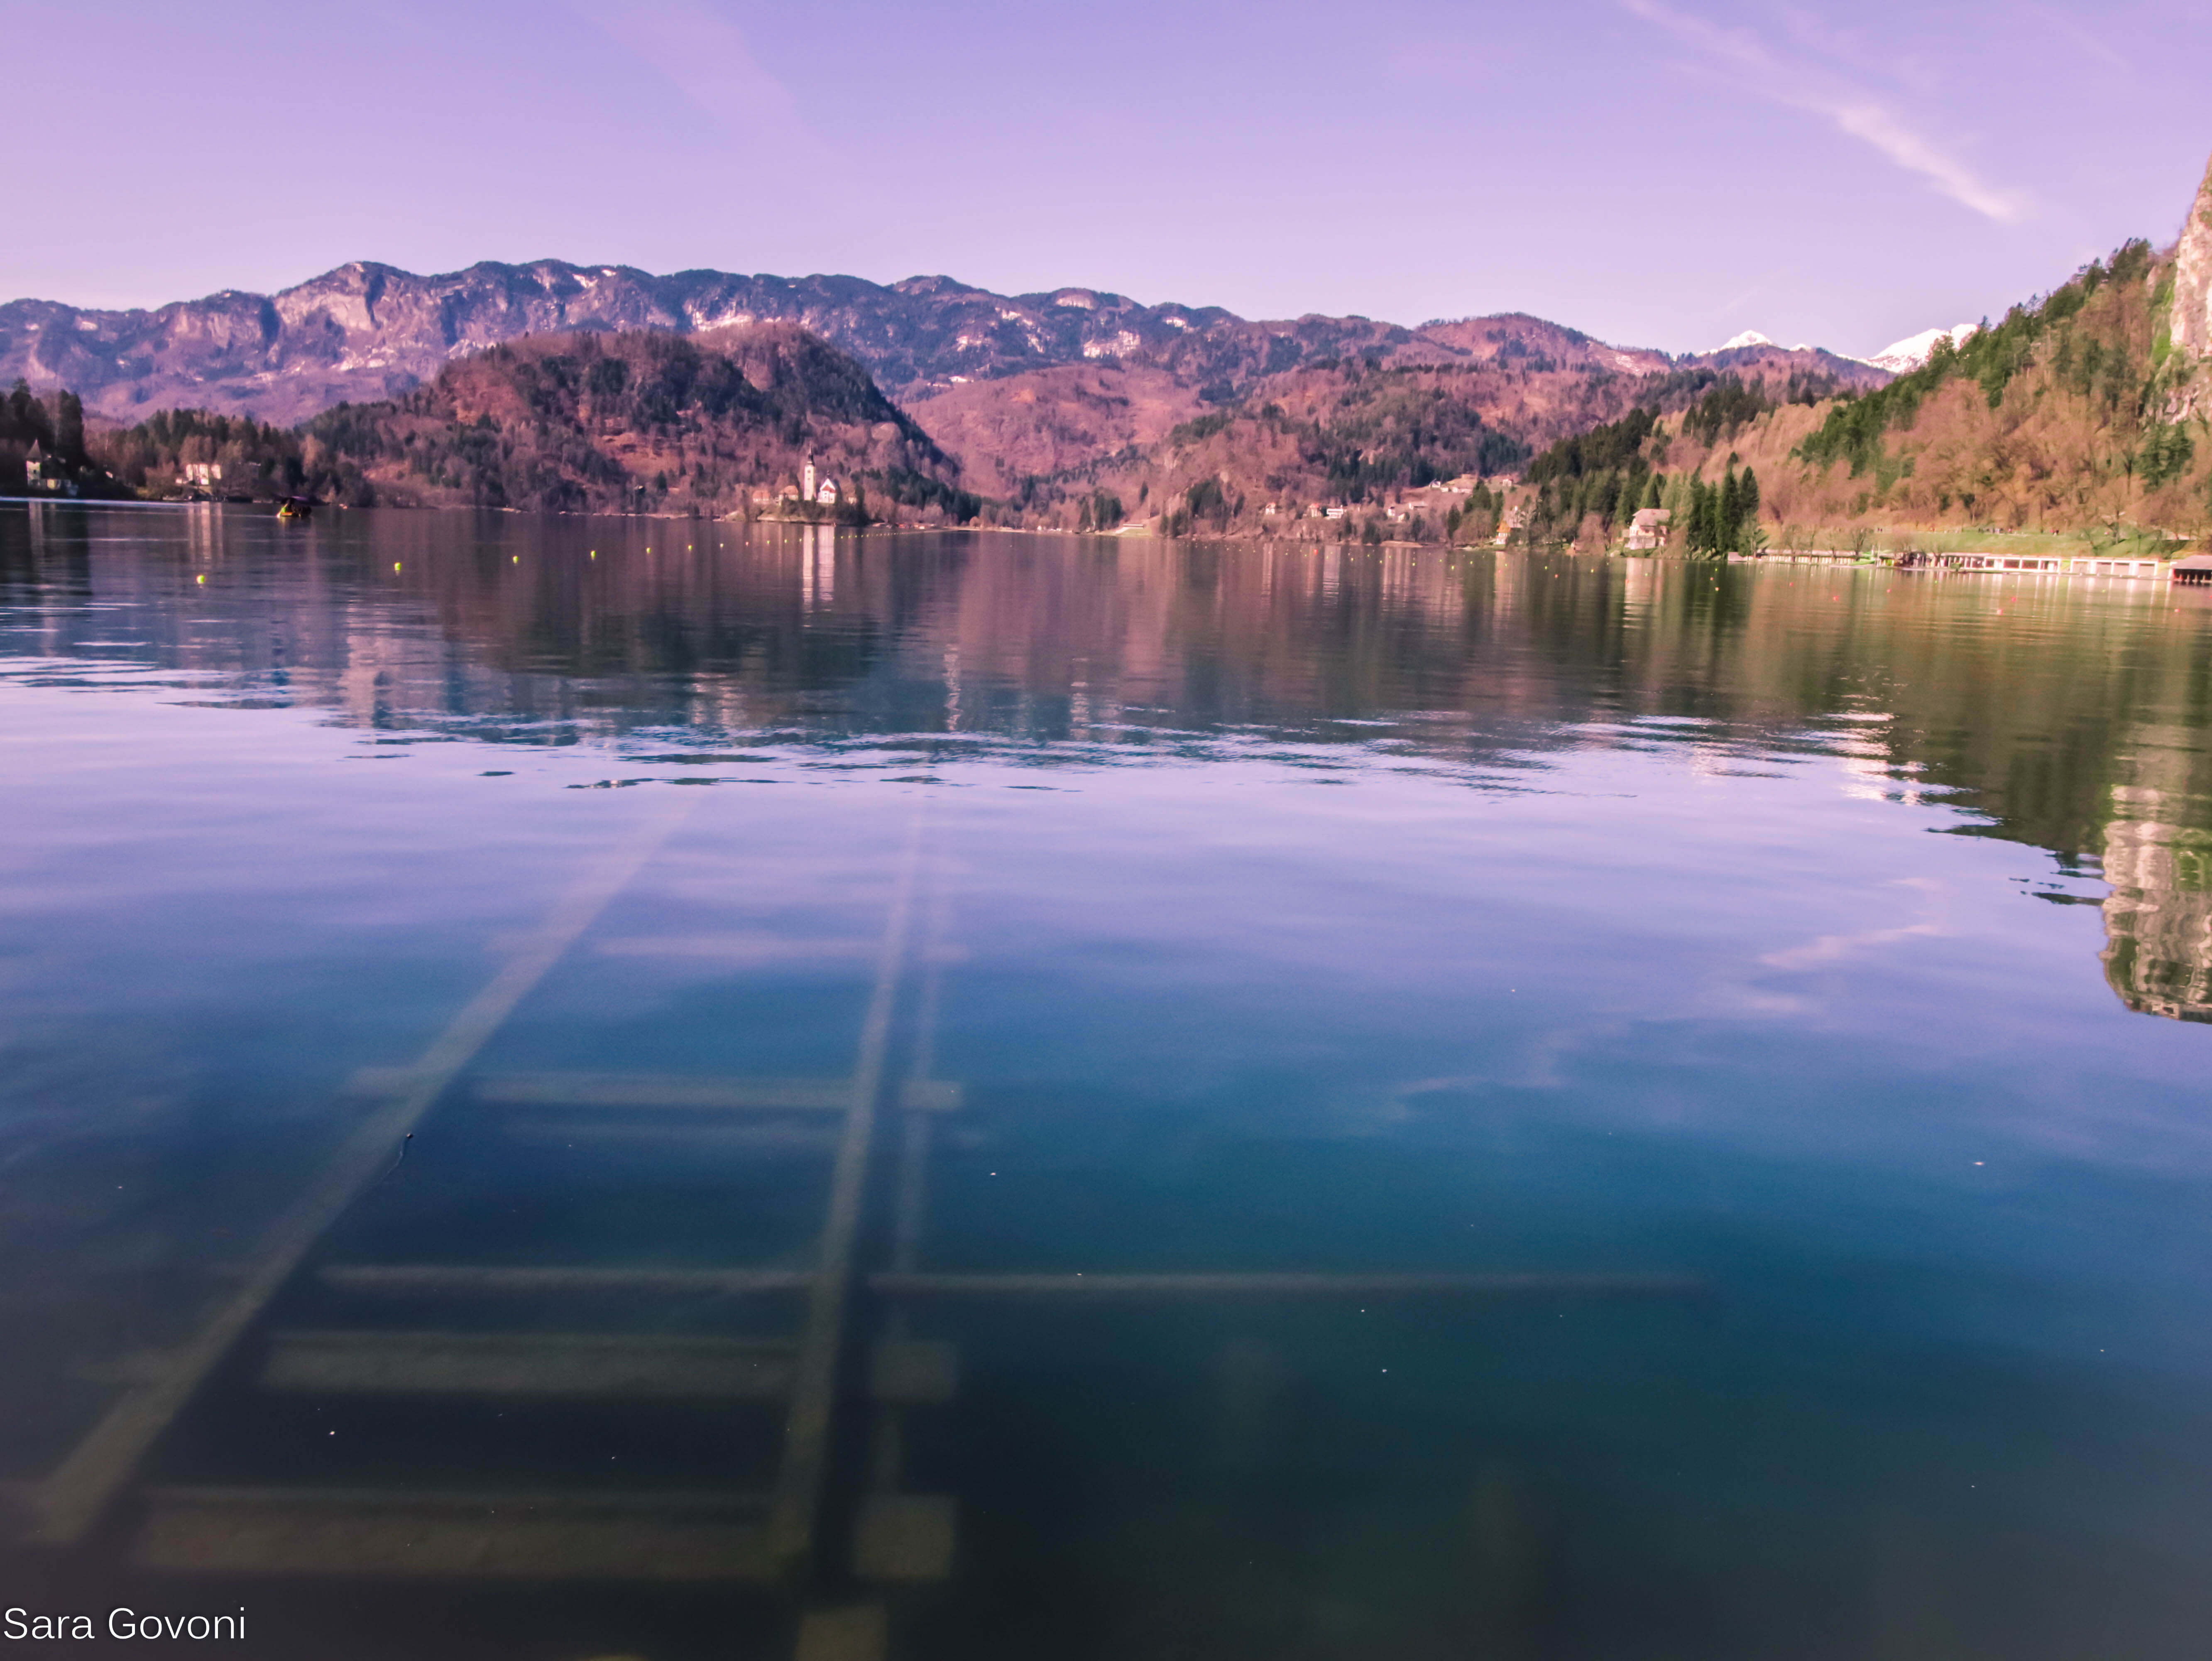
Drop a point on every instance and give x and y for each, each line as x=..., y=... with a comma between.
x=712, y=424
x=2056, y=418
x=2081, y=413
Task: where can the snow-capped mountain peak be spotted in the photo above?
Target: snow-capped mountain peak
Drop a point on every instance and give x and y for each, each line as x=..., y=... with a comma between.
x=1748, y=338
x=1910, y=353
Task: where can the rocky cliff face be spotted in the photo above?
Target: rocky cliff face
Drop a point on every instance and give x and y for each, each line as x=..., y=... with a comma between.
x=2191, y=321
x=367, y=332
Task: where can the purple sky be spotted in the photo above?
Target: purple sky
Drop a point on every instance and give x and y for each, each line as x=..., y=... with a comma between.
x=1661, y=172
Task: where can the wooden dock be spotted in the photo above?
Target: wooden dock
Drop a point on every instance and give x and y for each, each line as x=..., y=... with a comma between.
x=2132, y=568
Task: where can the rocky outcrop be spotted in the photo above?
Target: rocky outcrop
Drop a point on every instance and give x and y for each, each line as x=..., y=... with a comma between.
x=2189, y=324
x=2192, y=277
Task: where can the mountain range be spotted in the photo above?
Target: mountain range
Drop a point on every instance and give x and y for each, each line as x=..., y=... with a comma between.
x=367, y=330
x=1036, y=399
x=1899, y=357
x=1079, y=408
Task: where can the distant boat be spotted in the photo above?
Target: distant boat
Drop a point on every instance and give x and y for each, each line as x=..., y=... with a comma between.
x=294, y=507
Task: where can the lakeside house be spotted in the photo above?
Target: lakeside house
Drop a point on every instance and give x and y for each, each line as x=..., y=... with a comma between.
x=1648, y=529
x=42, y=471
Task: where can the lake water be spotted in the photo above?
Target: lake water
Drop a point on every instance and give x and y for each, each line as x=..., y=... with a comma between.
x=585, y=1088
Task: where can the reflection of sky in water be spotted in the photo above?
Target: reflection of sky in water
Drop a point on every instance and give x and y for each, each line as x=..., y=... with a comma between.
x=1294, y=912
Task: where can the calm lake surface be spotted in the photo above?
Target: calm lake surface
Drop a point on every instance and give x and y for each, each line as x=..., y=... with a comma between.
x=561, y=1083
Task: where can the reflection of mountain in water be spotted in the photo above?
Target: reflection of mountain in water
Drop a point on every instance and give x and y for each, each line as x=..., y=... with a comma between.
x=2067, y=716
x=2158, y=918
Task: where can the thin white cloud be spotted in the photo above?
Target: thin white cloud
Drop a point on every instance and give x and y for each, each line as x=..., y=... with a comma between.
x=1848, y=109
x=1882, y=56
x=706, y=58
x=1876, y=125
x=1831, y=948
x=2078, y=38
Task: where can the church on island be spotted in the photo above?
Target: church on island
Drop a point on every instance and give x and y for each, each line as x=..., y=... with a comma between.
x=813, y=486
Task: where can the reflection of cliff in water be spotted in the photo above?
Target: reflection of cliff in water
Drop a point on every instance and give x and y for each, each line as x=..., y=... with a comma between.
x=2158, y=918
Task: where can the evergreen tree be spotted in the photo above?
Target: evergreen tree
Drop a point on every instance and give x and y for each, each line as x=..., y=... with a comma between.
x=69, y=429
x=1728, y=517
x=1623, y=507
x=1653, y=490
x=26, y=416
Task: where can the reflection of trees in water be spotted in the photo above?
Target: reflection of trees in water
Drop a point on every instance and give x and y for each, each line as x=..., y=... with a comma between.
x=2074, y=722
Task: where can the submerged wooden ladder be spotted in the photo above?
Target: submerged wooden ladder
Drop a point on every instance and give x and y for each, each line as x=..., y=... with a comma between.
x=765, y=1536
x=538, y=1532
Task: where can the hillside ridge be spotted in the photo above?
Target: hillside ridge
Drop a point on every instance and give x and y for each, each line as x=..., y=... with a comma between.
x=747, y=420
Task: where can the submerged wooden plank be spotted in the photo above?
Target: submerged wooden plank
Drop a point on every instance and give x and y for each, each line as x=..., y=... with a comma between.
x=931, y=1096
x=738, y=948
x=523, y=1537
x=1285, y=1286
x=670, y=1091
x=859, y=1632
x=563, y=1128
x=566, y=1366
x=905, y=1538
x=813, y=1395
x=912, y=1373
x=481, y=1280
x=468, y=1280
